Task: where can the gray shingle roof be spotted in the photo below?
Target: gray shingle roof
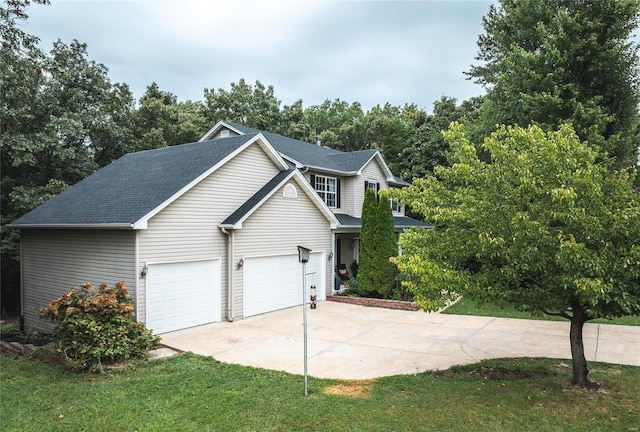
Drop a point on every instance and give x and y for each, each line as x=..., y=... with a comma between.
x=347, y=221
x=311, y=154
x=125, y=191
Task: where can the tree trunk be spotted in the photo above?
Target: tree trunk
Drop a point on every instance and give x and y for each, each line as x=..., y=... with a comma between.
x=580, y=371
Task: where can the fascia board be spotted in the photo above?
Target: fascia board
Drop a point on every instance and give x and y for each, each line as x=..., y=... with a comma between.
x=383, y=164
x=273, y=154
x=332, y=171
x=297, y=164
x=217, y=126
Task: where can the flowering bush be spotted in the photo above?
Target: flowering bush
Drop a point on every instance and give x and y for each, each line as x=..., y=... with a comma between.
x=93, y=327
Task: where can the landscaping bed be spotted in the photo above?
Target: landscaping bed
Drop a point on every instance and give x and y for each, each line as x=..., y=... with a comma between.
x=374, y=302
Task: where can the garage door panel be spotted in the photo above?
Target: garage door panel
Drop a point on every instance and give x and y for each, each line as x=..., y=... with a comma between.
x=275, y=282
x=183, y=294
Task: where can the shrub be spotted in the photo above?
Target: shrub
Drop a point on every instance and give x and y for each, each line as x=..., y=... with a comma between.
x=377, y=274
x=95, y=327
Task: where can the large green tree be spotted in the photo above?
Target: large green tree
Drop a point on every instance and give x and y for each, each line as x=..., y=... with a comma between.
x=60, y=120
x=548, y=62
x=251, y=105
x=160, y=120
x=426, y=148
x=543, y=226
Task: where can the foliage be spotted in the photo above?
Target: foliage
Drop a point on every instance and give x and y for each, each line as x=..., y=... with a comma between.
x=376, y=274
x=253, y=106
x=195, y=393
x=10, y=329
x=548, y=62
x=93, y=327
x=542, y=226
x=426, y=148
x=161, y=121
x=60, y=120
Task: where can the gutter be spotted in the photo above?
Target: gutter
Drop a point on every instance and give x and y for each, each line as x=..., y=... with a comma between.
x=230, y=271
x=73, y=226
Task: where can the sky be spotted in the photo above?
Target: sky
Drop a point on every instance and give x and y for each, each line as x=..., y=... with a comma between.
x=371, y=52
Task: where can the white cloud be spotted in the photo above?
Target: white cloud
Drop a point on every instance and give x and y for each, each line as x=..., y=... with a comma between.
x=372, y=52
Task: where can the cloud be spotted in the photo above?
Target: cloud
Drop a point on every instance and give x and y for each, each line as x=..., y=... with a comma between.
x=372, y=52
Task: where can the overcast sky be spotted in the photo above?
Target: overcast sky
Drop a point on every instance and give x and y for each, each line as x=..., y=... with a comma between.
x=372, y=52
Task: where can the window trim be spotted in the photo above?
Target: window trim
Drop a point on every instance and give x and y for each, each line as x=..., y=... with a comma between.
x=325, y=193
x=395, y=206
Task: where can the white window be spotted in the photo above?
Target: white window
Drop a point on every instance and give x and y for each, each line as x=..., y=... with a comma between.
x=372, y=184
x=394, y=206
x=327, y=189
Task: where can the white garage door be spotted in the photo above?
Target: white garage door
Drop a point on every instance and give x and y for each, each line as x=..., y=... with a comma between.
x=275, y=282
x=183, y=294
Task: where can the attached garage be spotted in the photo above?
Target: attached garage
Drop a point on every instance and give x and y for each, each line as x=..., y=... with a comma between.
x=275, y=282
x=183, y=294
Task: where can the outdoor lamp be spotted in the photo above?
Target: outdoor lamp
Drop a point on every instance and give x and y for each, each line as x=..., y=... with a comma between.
x=313, y=297
x=303, y=254
x=144, y=271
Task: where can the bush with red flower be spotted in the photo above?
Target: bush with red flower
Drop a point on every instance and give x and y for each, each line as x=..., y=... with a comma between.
x=94, y=327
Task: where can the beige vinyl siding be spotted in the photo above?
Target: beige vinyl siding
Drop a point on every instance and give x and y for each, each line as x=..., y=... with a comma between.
x=54, y=261
x=348, y=196
x=187, y=230
x=372, y=171
x=278, y=227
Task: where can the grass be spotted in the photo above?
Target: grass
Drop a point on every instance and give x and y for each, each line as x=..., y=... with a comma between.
x=195, y=393
x=468, y=307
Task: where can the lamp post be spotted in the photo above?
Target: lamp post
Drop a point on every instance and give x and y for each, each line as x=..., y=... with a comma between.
x=303, y=258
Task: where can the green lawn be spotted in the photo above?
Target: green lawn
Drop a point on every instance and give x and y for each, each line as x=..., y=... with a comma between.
x=467, y=307
x=194, y=393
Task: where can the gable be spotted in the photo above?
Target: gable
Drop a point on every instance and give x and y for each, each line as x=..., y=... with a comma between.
x=303, y=154
x=278, y=183
x=129, y=191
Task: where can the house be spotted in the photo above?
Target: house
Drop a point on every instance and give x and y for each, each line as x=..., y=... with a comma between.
x=206, y=231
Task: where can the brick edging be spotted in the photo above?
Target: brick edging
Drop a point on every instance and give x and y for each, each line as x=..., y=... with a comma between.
x=374, y=302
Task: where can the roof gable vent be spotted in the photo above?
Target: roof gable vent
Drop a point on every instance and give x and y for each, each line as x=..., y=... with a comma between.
x=290, y=191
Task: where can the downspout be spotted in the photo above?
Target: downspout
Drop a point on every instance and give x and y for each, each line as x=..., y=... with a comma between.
x=230, y=271
x=136, y=277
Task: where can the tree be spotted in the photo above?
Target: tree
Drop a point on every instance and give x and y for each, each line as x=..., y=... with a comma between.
x=386, y=248
x=548, y=62
x=60, y=120
x=544, y=226
x=426, y=148
x=376, y=274
x=253, y=106
x=161, y=121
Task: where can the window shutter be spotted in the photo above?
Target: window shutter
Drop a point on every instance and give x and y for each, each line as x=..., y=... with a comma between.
x=366, y=185
x=378, y=190
x=338, y=193
x=313, y=181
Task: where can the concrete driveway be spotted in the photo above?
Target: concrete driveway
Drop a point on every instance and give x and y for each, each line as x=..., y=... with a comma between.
x=355, y=342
